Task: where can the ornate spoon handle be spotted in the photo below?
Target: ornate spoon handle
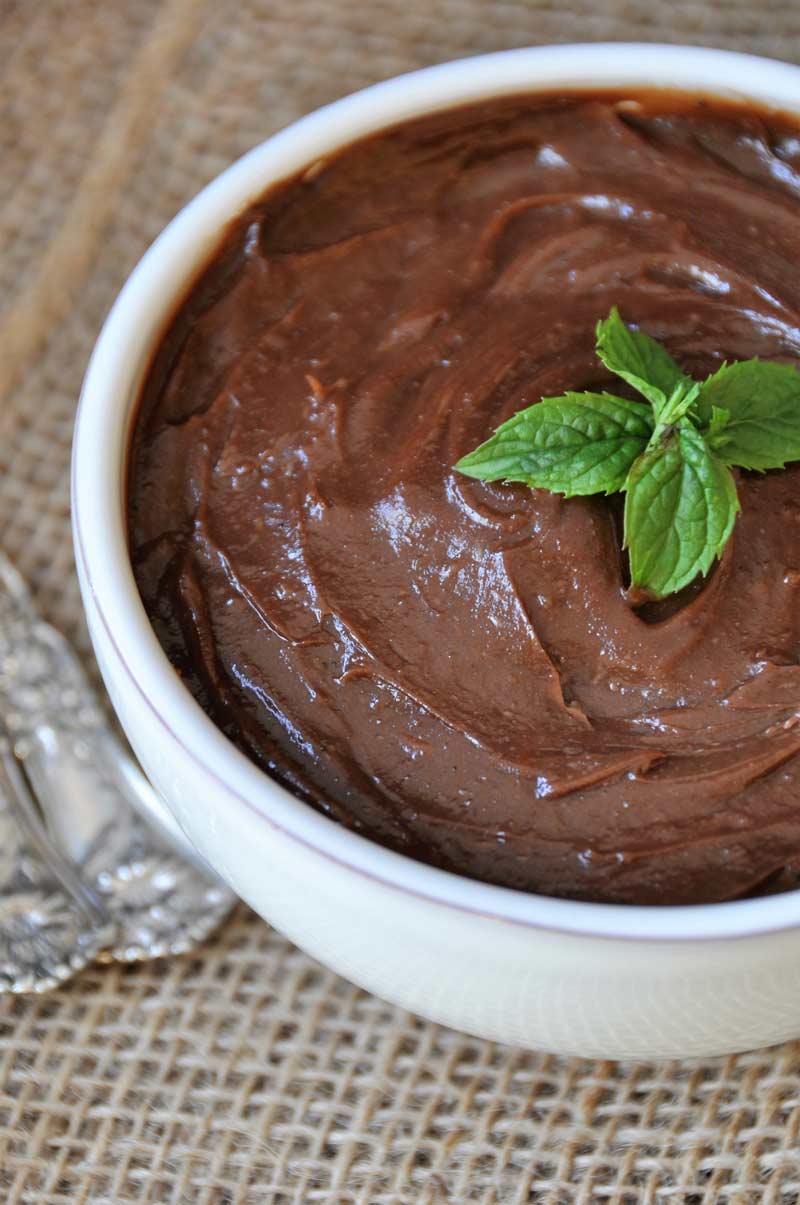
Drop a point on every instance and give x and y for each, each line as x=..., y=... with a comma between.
x=91, y=794
x=50, y=926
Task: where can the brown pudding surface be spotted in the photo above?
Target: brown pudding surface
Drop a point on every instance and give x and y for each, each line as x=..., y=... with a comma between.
x=450, y=668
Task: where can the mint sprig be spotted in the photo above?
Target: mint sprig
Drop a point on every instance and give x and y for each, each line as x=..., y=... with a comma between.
x=672, y=457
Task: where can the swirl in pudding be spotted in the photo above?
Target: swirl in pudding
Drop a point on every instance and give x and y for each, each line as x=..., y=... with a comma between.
x=454, y=669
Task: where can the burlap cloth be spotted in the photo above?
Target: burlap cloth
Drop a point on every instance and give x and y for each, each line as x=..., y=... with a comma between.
x=246, y=1074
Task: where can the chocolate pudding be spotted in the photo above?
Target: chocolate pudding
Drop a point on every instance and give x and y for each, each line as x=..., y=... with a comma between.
x=450, y=668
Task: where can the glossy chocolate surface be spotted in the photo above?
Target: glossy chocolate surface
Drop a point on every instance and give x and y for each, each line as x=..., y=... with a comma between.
x=454, y=669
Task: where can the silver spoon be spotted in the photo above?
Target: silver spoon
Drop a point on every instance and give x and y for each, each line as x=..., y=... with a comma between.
x=160, y=896
x=50, y=927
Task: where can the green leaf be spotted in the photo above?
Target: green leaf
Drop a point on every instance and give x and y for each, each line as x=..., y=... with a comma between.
x=680, y=507
x=639, y=360
x=763, y=404
x=581, y=443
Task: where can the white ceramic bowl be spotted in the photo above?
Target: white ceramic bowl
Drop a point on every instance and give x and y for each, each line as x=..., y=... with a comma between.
x=592, y=979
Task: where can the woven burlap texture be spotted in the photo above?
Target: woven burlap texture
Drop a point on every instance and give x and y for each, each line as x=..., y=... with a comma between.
x=246, y=1074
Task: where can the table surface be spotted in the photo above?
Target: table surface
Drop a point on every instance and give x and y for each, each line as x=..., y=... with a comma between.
x=246, y=1074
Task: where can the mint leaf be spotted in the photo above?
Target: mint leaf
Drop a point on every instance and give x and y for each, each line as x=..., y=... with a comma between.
x=581, y=443
x=639, y=360
x=680, y=507
x=762, y=400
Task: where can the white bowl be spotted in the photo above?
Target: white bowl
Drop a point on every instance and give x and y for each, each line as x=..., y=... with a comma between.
x=593, y=979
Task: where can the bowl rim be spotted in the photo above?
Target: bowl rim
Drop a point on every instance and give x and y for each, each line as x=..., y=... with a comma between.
x=120, y=360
